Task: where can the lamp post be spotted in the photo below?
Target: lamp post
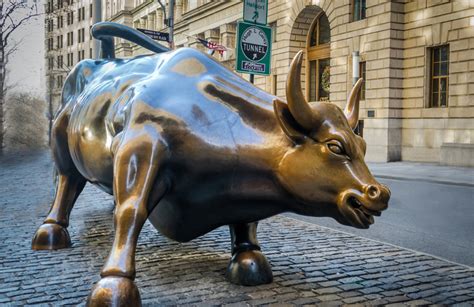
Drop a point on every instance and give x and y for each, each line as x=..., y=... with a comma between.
x=97, y=17
x=171, y=23
x=355, y=66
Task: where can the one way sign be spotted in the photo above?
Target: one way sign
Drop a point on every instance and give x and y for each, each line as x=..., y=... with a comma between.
x=255, y=11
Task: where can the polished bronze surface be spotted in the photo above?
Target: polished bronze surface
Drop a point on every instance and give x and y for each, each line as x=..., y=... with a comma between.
x=179, y=139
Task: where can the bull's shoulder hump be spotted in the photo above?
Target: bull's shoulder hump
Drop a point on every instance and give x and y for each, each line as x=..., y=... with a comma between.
x=189, y=62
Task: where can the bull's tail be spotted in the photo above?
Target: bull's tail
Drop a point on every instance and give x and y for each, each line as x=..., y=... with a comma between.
x=106, y=31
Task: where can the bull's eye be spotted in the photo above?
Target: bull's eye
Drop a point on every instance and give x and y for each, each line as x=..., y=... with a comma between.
x=336, y=147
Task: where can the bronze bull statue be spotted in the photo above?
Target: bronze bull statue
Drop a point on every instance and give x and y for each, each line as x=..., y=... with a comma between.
x=179, y=139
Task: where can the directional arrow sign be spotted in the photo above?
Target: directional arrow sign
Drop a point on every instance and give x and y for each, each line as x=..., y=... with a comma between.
x=255, y=11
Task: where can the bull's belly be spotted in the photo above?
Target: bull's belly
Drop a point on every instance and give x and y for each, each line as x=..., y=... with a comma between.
x=182, y=223
x=184, y=219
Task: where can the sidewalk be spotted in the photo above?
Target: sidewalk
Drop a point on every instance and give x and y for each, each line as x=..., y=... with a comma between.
x=428, y=172
x=311, y=264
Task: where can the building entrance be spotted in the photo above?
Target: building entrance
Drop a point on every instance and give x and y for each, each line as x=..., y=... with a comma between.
x=318, y=62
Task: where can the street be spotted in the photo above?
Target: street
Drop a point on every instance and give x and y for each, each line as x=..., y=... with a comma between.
x=429, y=217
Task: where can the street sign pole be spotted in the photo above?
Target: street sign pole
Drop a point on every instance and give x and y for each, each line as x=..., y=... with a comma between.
x=258, y=43
x=171, y=23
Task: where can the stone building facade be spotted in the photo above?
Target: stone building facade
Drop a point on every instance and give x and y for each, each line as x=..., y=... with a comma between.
x=417, y=60
x=67, y=41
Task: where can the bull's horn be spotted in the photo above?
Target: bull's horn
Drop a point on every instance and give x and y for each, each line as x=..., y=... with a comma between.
x=352, y=107
x=297, y=104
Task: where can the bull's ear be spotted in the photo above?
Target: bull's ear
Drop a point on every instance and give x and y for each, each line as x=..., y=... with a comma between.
x=287, y=122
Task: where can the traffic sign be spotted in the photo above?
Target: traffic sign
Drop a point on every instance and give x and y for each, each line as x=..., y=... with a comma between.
x=255, y=11
x=254, y=46
x=160, y=36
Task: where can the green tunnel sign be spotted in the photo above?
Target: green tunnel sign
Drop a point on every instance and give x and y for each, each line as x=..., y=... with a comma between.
x=253, y=48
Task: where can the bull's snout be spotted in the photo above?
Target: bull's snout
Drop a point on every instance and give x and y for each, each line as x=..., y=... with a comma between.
x=378, y=195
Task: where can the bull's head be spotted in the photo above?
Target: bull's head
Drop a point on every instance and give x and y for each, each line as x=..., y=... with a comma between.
x=325, y=168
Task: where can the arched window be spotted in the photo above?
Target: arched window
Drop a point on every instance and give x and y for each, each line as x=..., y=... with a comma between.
x=317, y=52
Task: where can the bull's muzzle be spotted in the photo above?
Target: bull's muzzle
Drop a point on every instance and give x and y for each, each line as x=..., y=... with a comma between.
x=360, y=207
x=377, y=195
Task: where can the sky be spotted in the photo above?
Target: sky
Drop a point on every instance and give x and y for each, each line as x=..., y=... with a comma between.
x=26, y=67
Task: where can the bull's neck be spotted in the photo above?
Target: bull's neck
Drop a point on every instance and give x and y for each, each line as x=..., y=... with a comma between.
x=256, y=172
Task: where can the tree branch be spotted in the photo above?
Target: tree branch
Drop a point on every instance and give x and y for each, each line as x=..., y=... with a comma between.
x=14, y=26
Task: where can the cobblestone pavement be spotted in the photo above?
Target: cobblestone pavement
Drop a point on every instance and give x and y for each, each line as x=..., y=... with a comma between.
x=311, y=264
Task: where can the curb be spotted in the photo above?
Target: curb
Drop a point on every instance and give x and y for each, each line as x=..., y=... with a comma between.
x=418, y=179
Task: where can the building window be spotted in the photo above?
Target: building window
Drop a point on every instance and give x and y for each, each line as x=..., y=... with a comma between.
x=358, y=9
x=439, y=72
x=80, y=14
x=69, y=59
x=359, y=130
x=362, y=75
x=60, y=61
x=274, y=84
x=90, y=53
x=90, y=10
x=317, y=52
x=80, y=35
x=320, y=32
x=60, y=81
x=70, y=18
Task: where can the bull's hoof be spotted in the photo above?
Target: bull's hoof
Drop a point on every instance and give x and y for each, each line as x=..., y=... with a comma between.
x=249, y=268
x=114, y=291
x=51, y=236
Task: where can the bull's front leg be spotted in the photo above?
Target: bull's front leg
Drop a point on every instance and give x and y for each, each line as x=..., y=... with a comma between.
x=138, y=187
x=248, y=266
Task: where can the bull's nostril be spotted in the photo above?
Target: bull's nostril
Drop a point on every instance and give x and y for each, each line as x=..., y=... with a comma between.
x=373, y=191
x=386, y=190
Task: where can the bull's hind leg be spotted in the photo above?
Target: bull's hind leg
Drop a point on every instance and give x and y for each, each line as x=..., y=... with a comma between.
x=248, y=266
x=138, y=187
x=53, y=233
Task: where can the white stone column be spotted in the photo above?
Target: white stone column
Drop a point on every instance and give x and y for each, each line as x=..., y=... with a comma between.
x=159, y=19
x=227, y=33
x=178, y=11
x=151, y=21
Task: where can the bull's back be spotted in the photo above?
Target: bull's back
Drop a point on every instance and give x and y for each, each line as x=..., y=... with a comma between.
x=205, y=112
